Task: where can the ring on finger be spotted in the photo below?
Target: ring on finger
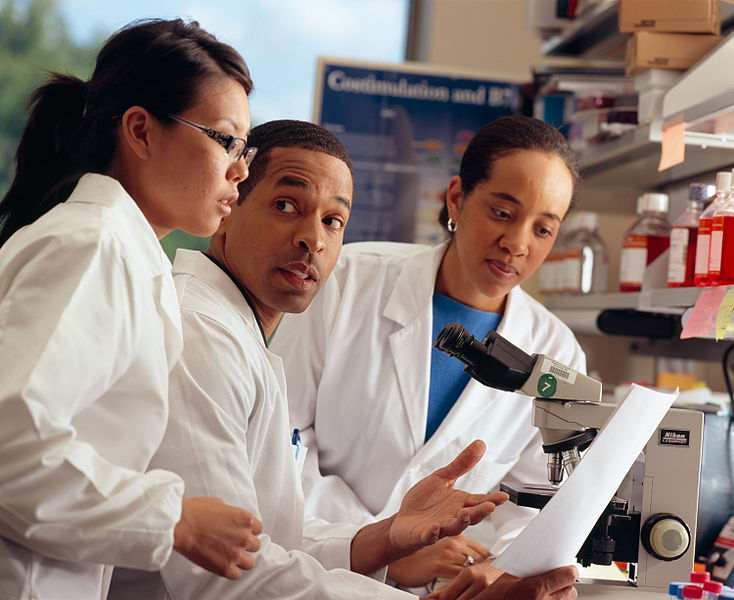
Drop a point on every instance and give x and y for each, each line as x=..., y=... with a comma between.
x=469, y=561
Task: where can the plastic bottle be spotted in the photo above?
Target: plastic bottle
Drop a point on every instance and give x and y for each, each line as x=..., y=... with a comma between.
x=711, y=590
x=721, y=255
x=647, y=239
x=692, y=591
x=675, y=588
x=723, y=184
x=683, y=236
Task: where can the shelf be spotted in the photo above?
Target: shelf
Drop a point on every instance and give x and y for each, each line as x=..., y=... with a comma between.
x=595, y=35
x=668, y=300
x=631, y=160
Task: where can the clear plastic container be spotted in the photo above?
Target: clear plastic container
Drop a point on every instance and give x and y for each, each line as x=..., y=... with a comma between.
x=682, y=258
x=642, y=243
x=692, y=591
x=551, y=274
x=587, y=258
x=711, y=590
x=703, y=243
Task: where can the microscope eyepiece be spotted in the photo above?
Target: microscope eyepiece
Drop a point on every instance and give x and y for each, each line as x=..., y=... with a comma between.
x=494, y=361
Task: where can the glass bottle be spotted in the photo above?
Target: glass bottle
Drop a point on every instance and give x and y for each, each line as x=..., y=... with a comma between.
x=683, y=237
x=703, y=243
x=721, y=255
x=642, y=243
x=588, y=271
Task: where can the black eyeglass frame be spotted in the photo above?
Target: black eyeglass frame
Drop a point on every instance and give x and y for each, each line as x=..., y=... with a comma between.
x=226, y=141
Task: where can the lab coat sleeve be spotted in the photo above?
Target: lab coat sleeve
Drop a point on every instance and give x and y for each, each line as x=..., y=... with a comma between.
x=213, y=392
x=60, y=351
x=303, y=343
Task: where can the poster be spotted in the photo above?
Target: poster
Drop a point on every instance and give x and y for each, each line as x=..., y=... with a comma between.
x=405, y=127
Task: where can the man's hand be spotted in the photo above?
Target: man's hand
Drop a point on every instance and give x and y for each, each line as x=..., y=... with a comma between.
x=445, y=559
x=553, y=585
x=217, y=536
x=433, y=509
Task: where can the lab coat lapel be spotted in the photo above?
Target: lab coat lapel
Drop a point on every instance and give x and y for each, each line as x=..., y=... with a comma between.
x=410, y=305
x=475, y=399
x=169, y=311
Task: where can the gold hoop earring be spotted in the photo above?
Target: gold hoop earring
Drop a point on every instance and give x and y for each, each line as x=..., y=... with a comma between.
x=451, y=225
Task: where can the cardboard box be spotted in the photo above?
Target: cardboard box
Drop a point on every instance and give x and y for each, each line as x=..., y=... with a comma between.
x=678, y=51
x=673, y=16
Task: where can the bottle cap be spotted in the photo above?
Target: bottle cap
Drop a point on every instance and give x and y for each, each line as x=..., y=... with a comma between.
x=587, y=220
x=653, y=201
x=692, y=591
x=713, y=586
x=723, y=181
x=701, y=192
x=700, y=576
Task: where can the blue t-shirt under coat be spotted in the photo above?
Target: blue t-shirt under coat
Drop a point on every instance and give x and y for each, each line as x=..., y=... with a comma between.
x=448, y=379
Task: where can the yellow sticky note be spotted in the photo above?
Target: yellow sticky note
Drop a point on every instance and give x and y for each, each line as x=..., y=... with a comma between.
x=723, y=316
x=673, y=146
x=702, y=320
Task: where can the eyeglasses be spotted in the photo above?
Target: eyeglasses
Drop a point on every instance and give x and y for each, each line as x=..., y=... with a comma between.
x=235, y=147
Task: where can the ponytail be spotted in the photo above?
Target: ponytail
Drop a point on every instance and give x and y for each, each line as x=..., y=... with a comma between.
x=159, y=65
x=47, y=157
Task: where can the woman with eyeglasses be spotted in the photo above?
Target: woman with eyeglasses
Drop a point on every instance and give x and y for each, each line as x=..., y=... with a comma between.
x=89, y=318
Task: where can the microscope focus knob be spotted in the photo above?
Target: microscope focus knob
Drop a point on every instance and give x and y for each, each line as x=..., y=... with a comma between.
x=665, y=536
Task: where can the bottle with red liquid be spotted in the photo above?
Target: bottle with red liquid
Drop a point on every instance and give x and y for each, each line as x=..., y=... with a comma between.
x=721, y=255
x=682, y=258
x=642, y=243
x=703, y=243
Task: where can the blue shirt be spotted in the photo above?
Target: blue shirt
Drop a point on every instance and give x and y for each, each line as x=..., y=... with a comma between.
x=448, y=379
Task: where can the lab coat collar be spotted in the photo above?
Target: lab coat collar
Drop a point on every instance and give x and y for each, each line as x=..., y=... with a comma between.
x=414, y=286
x=193, y=262
x=94, y=188
x=146, y=253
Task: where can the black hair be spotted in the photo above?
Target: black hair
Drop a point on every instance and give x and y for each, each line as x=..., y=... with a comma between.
x=503, y=136
x=288, y=133
x=72, y=129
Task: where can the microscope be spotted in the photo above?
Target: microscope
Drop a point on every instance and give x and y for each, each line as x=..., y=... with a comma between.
x=650, y=523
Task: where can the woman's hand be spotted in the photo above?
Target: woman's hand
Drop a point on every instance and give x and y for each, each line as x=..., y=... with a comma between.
x=444, y=559
x=216, y=536
x=470, y=581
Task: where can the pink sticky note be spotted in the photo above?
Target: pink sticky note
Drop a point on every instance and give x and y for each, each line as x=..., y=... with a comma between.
x=702, y=321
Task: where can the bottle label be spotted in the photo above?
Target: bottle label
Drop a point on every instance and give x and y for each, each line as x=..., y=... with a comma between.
x=702, y=253
x=678, y=254
x=717, y=242
x=633, y=259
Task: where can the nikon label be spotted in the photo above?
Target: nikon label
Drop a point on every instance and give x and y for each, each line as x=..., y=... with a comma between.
x=675, y=437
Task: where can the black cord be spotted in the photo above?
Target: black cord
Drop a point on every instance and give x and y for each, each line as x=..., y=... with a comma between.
x=727, y=379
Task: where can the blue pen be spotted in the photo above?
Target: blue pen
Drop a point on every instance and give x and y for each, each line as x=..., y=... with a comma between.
x=296, y=441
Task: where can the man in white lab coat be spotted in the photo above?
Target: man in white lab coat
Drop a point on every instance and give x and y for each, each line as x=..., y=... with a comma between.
x=228, y=433
x=359, y=362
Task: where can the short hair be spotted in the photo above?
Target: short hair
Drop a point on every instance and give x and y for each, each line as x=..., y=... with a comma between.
x=288, y=133
x=503, y=136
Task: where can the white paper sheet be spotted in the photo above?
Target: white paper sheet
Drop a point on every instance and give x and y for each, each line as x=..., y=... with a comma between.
x=556, y=534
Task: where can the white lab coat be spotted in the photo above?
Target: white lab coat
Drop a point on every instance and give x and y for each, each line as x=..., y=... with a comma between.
x=89, y=329
x=358, y=366
x=228, y=436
